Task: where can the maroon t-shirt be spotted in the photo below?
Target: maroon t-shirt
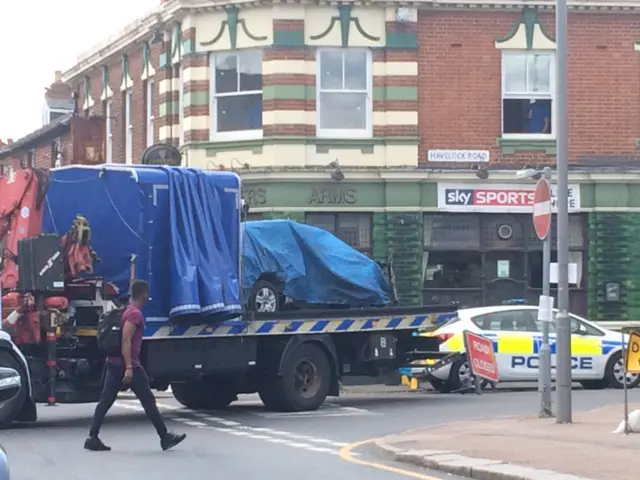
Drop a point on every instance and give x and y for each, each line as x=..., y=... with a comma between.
x=132, y=315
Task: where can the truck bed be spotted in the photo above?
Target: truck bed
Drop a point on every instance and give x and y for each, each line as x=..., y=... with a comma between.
x=309, y=322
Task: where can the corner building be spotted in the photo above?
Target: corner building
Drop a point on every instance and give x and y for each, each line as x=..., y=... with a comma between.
x=397, y=128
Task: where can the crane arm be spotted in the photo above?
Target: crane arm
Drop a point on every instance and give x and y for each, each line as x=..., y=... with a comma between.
x=21, y=198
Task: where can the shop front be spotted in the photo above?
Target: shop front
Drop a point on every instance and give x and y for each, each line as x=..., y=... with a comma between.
x=455, y=239
x=480, y=247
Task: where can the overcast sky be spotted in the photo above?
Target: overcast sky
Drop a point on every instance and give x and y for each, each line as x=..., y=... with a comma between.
x=42, y=36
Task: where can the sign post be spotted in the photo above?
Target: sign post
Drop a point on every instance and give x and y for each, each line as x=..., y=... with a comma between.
x=481, y=357
x=542, y=227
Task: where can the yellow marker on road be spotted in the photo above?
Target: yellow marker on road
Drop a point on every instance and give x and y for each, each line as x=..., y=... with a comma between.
x=633, y=353
x=345, y=454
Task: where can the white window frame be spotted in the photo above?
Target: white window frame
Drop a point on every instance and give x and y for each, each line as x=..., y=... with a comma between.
x=181, y=104
x=108, y=153
x=367, y=132
x=213, y=105
x=150, y=116
x=128, y=125
x=530, y=95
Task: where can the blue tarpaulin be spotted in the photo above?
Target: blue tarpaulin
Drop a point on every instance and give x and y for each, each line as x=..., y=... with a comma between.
x=183, y=226
x=201, y=255
x=314, y=266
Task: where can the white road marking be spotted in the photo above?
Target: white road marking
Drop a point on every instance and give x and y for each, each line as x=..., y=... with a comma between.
x=231, y=427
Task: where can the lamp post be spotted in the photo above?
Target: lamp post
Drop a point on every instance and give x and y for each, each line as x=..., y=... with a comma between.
x=563, y=322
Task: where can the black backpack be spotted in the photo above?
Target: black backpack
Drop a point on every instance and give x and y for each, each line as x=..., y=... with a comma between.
x=109, y=334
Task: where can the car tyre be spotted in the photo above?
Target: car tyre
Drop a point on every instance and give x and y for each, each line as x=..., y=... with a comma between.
x=204, y=394
x=460, y=370
x=11, y=410
x=614, y=373
x=440, y=386
x=595, y=384
x=265, y=298
x=304, y=383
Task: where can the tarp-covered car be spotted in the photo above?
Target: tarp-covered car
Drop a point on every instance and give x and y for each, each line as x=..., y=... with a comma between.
x=309, y=266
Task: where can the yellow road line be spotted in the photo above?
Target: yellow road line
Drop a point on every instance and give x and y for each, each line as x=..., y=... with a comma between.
x=345, y=454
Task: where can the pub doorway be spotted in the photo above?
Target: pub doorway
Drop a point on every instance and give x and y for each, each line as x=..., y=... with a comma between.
x=482, y=259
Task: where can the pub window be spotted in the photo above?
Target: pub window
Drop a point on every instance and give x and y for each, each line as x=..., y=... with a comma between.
x=352, y=228
x=452, y=231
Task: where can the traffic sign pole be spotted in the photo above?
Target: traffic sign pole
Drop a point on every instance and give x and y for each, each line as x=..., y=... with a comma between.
x=542, y=226
x=544, y=372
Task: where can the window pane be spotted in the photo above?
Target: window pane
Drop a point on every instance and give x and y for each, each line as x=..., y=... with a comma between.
x=239, y=112
x=331, y=69
x=452, y=231
x=455, y=269
x=515, y=72
x=326, y=221
x=226, y=73
x=250, y=70
x=355, y=229
x=346, y=111
x=355, y=70
x=539, y=73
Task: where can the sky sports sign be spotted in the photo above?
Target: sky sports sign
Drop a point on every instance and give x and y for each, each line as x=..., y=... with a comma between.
x=496, y=197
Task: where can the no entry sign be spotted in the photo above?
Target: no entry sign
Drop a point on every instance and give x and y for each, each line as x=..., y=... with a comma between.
x=542, y=209
x=482, y=359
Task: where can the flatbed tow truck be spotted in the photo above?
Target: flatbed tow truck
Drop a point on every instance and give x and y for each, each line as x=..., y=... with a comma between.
x=55, y=288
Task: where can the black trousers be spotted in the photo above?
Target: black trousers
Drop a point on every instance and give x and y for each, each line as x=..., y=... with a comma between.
x=140, y=386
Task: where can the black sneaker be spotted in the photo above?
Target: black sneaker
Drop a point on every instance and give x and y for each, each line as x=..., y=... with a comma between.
x=170, y=440
x=95, y=445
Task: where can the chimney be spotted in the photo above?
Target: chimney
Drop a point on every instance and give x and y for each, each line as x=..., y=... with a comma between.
x=58, y=90
x=9, y=141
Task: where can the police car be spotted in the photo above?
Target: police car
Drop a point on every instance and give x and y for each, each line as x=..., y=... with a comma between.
x=517, y=336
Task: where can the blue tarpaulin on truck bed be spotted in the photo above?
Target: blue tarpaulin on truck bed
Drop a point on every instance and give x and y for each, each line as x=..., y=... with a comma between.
x=158, y=214
x=200, y=254
x=313, y=265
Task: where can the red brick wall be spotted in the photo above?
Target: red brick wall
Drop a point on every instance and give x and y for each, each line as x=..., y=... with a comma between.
x=138, y=110
x=460, y=84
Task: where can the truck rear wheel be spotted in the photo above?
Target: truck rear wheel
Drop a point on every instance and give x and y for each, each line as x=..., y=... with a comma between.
x=204, y=394
x=10, y=411
x=304, y=383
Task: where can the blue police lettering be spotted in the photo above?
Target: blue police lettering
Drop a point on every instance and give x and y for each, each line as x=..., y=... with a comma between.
x=532, y=362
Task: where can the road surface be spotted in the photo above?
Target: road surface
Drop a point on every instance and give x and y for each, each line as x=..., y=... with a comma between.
x=245, y=441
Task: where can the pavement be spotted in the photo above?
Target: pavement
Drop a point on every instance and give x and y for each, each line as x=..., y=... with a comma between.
x=246, y=441
x=525, y=447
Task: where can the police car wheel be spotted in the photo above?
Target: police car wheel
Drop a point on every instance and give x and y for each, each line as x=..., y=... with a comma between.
x=595, y=384
x=441, y=386
x=461, y=376
x=615, y=373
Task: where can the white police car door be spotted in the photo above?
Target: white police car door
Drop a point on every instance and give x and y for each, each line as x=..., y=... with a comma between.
x=513, y=332
x=587, y=360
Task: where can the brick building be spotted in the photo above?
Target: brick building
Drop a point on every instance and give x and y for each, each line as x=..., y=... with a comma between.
x=399, y=128
x=64, y=138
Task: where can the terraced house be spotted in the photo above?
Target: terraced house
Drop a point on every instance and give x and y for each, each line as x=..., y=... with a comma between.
x=399, y=126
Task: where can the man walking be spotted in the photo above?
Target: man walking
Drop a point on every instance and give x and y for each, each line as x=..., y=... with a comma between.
x=126, y=370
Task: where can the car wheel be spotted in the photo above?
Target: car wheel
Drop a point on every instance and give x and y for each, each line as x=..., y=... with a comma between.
x=441, y=386
x=265, y=298
x=11, y=410
x=461, y=376
x=614, y=373
x=305, y=381
x=204, y=394
x=594, y=384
